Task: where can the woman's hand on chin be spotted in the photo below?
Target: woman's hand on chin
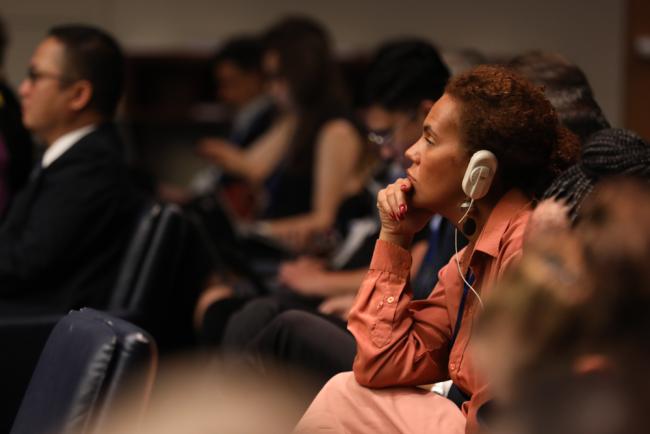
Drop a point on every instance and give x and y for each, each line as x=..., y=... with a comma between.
x=400, y=221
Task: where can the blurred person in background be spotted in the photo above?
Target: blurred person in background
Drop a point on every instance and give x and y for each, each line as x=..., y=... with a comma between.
x=241, y=87
x=62, y=242
x=313, y=162
x=568, y=89
x=16, y=147
x=313, y=157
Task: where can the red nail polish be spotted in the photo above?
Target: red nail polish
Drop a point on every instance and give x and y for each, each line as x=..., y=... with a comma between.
x=403, y=187
x=402, y=209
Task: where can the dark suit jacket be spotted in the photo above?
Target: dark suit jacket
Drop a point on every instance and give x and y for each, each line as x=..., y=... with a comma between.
x=62, y=241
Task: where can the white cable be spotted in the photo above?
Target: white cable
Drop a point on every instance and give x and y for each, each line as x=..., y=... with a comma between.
x=460, y=271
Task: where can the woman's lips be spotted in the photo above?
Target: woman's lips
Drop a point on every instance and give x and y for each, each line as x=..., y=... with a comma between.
x=410, y=177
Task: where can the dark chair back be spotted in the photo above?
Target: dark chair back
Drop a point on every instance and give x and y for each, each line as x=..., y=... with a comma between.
x=138, y=247
x=152, y=260
x=161, y=276
x=91, y=359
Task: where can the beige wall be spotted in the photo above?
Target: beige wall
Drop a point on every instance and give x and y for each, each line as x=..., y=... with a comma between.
x=590, y=32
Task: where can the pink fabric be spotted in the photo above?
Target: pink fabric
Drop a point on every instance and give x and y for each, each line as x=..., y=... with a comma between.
x=343, y=406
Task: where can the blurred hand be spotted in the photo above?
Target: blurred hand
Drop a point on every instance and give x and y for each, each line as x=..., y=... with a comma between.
x=295, y=235
x=172, y=193
x=338, y=305
x=220, y=153
x=399, y=219
x=550, y=216
x=303, y=276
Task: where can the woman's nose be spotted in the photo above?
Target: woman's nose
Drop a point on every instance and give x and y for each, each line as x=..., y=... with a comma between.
x=412, y=153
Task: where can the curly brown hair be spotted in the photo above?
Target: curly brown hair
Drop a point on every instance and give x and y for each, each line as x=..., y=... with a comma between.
x=509, y=116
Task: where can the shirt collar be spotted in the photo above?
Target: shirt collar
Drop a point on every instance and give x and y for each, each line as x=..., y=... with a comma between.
x=497, y=223
x=63, y=143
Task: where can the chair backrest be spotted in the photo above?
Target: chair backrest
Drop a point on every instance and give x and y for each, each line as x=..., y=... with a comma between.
x=90, y=361
x=136, y=251
x=163, y=272
x=152, y=261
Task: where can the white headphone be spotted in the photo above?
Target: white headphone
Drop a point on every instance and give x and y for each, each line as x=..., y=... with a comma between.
x=476, y=184
x=479, y=174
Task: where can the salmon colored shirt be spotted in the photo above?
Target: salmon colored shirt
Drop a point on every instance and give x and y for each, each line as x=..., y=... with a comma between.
x=404, y=342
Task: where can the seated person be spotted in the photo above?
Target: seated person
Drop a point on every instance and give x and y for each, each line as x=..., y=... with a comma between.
x=401, y=342
x=311, y=161
x=63, y=239
x=313, y=156
x=241, y=88
x=241, y=85
x=16, y=147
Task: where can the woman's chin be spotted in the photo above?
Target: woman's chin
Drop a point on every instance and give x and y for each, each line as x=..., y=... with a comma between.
x=419, y=202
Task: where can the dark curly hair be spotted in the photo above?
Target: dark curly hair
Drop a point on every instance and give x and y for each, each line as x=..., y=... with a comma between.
x=509, y=116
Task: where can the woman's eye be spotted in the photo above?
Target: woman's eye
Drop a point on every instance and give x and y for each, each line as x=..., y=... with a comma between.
x=428, y=140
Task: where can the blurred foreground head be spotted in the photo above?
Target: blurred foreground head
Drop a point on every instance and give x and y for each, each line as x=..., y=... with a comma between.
x=195, y=397
x=578, y=300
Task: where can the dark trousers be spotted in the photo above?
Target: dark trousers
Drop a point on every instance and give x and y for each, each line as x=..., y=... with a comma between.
x=272, y=328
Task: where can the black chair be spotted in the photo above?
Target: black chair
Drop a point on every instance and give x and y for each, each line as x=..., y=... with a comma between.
x=90, y=361
x=157, y=287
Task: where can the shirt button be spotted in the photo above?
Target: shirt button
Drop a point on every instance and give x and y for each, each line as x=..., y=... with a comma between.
x=390, y=299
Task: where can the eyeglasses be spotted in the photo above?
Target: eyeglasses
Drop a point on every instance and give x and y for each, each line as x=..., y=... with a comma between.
x=33, y=76
x=380, y=138
x=385, y=137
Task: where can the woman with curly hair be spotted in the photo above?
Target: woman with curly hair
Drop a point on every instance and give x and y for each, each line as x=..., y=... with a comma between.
x=489, y=147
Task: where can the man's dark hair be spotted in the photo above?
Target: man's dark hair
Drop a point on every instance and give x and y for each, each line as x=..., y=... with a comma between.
x=404, y=73
x=4, y=41
x=245, y=52
x=92, y=54
x=568, y=89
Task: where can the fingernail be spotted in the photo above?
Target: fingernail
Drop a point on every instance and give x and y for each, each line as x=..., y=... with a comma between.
x=403, y=187
x=402, y=209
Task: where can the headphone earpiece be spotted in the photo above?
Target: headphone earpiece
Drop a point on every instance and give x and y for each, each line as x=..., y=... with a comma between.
x=479, y=174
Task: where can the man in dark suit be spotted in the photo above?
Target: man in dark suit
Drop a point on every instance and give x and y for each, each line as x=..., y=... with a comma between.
x=62, y=241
